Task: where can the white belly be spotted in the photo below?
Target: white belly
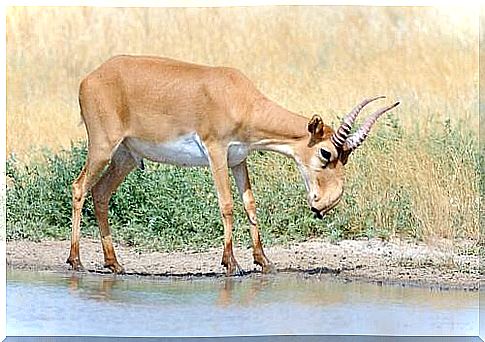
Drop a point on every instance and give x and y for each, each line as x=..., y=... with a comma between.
x=185, y=151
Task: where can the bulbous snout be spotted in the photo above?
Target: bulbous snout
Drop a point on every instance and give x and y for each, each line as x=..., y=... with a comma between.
x=318, y=213
x=320, y=208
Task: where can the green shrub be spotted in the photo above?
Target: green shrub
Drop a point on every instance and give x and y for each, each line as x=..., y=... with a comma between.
x=396, y=185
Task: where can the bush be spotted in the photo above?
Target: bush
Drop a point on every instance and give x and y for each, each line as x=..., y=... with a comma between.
x=396, y=185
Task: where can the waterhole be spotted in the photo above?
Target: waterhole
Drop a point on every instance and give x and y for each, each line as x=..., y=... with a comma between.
x=43, y=303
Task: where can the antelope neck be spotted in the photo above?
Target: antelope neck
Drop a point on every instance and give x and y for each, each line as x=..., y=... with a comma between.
x=276, y=129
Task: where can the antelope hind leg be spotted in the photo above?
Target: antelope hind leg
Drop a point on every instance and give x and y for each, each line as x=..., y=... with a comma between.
x=122, y=163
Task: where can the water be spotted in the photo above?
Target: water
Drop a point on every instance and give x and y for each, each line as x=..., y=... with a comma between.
x=84, y=304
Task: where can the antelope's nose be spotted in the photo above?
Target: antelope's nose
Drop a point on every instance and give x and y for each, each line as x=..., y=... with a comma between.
x=318, y=213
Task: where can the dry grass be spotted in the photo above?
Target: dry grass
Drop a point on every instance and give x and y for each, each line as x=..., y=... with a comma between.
x=309, y=59
x=441, y=195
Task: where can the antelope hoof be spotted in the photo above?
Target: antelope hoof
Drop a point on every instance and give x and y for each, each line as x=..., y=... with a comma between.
x=234, y=271
x=115, y=267
x=232, y=268
x=75, y=264
x=266, y=265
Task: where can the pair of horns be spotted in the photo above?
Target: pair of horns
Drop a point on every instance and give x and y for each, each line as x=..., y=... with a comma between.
x=341, y=138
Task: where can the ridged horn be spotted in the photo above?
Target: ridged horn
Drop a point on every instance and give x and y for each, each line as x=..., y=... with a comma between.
x=340, y=136
x=358, y=137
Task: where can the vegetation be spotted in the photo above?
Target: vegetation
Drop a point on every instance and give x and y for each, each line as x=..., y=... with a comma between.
x=166, y=207
x=417, y=175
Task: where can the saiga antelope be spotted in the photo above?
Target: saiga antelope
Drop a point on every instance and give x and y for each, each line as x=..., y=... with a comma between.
x=191, y=115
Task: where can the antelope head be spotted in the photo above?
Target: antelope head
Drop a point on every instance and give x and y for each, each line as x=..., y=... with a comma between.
x=322, y=159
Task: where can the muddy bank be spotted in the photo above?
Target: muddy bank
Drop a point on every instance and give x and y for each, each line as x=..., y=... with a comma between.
x=441, y=264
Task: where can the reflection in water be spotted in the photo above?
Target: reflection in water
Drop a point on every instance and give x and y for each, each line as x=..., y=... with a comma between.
x=225, y=296
x=245, y=291
x=229, y=296
x=231, y=291
x=100, y=292
x=292, y=304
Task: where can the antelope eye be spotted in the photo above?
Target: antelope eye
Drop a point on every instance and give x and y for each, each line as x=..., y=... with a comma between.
x=325, y=154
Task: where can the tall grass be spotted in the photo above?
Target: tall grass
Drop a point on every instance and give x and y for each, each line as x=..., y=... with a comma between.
x=166, y=207
x=310, y=59
x=416, y=176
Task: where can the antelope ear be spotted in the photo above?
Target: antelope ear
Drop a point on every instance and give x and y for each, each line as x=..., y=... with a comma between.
x=315, y=125
x=318, y=130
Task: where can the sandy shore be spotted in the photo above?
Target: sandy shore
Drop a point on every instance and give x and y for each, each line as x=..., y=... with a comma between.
x=437, y=265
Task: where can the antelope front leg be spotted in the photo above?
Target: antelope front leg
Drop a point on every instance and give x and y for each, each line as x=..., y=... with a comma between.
x=240, y=173
x=220, y=174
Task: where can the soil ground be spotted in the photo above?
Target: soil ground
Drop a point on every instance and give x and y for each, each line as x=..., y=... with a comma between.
x=441, y=264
